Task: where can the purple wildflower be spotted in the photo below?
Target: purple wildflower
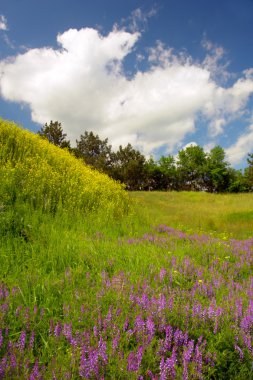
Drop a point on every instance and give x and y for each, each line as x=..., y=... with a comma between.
x=126, y=324
x=5, y=307
x=115, y=341
x=18, y=310
x=144, y=301
x=67, y=330
x=139, y=324
x=13, y=361
x=167, y=367
x=162, y=274
x=161, y=302
x=84, y=371
x=3, y=366
x=94, y=361
x=150, y=374
x=95, y=331
x=35, y=374
x=4, y=292
x=1, y=338
x=21, y=343
x=187, y=354
x=134, y=360
x=31, y=341
x=198, y=361
x=239, y=350
x=57, y=329
x=168, y=338
x=102, y=350
x=178, y=338
x=150, y=328
x=246, y=322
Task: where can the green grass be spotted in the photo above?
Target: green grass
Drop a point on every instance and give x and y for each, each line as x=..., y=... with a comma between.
x=219, y=213
x=59, y=266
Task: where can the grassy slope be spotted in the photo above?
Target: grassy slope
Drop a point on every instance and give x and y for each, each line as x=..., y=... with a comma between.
x=47, y=177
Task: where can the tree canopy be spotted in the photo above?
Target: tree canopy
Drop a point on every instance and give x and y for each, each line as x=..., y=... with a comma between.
x=192, y=169
x=53, y=132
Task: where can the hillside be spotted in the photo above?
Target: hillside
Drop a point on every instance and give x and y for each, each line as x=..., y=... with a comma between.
x=36, y=172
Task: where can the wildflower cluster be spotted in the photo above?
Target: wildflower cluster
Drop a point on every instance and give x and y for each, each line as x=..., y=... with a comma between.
x=174, y=323
x=50, y=178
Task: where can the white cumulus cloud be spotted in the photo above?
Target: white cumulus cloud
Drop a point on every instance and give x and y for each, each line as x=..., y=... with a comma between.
x=3, y=23
x=82, y=84
x=244, y=145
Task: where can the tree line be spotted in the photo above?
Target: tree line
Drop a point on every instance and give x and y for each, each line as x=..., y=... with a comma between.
x=193, y=169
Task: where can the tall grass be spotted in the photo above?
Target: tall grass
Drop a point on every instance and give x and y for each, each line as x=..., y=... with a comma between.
x=231, y=214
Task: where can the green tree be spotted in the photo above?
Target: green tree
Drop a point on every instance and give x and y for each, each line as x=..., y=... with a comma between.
x=249, y=171
x=54, y=134
x=238, y=182
x=153, y=175
x=191, y=168
x=94, y=151
x=168, y=169
x=128, y=167
x=161, y=174
x=217, y=170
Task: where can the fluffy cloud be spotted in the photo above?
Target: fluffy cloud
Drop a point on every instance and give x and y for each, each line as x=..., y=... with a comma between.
x=3, y=23
x=244, y=145
x=83, y=85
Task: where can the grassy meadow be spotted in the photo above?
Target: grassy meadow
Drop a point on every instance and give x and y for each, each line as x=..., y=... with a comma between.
x=229, y=214
x=96, y=283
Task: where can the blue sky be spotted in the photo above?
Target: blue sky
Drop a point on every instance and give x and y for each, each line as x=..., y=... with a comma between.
x=157, y=74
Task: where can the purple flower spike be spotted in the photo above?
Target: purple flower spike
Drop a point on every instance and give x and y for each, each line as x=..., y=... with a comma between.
x=35, y=375
x=3, y=366
x=134, y=360
x=31, y=341
x=21, y=343
x=187, y=354
x=139, y=324
x=167, y=368
x=150, y=374
x=239, y=350
x=102, y=351
x=67, y=330
x=13, y=361
x=1, y=338
x=162, y=274
x=198, y=360
x=150, y=328
x=57, y=330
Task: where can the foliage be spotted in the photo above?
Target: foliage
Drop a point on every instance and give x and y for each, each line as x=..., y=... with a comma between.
x=217, y=170
x=94, y=151
x=249, y=173
x=54, y=134
x=161, y=175
x=192, y=170
x=128, y=167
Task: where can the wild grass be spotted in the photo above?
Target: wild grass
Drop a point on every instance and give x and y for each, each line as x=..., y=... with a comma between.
x=217, y=213
x=154, y=291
